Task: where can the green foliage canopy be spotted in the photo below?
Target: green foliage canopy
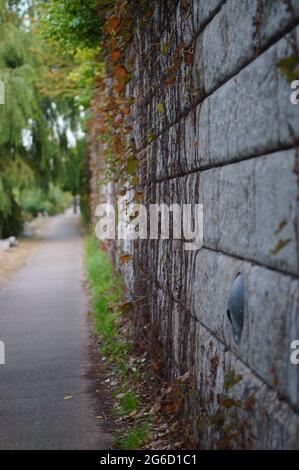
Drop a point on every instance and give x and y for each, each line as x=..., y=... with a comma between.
x=76, y=24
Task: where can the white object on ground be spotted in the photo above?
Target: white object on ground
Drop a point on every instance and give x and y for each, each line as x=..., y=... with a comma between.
x=8, y=243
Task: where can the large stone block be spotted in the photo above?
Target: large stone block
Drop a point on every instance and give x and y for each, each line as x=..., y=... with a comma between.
x=239, y=32
x=250, y=207
x=271, y=423
x=250, y=210
x=249, y=98
x=270, y=318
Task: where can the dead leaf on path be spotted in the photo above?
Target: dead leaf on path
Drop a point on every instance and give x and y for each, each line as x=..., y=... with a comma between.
x=68, y=397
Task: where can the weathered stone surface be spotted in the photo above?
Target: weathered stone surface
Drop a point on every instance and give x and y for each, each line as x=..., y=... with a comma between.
x=238, y=33
x=271, y=422
x=233, y=38
x=248, y=98
x=204, y=12
x=175, y=24
x=226, y=137
x=220, y=130
x=270, y=322
x=250, y=207
x=250, y=210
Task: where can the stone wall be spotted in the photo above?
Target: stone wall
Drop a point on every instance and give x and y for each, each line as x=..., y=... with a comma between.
x=213, y=123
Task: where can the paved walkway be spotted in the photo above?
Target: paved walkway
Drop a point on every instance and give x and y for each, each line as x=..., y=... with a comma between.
x=44, y=327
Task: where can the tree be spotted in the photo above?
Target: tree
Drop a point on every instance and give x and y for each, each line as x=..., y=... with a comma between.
x=37, y=116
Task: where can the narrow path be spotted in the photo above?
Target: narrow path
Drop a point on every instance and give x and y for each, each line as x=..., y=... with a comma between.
x=43, y=324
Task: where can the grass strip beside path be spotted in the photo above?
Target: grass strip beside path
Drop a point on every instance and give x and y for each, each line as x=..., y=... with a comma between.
x=110, y=324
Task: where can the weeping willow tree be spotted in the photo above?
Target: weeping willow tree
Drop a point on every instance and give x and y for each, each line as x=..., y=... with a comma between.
x=36, y=116
x=22, y=114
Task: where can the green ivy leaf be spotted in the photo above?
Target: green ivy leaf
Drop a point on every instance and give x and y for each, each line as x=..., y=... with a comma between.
x=160, y=107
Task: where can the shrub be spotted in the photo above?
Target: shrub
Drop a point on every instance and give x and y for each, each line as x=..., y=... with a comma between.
x=36, y=200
